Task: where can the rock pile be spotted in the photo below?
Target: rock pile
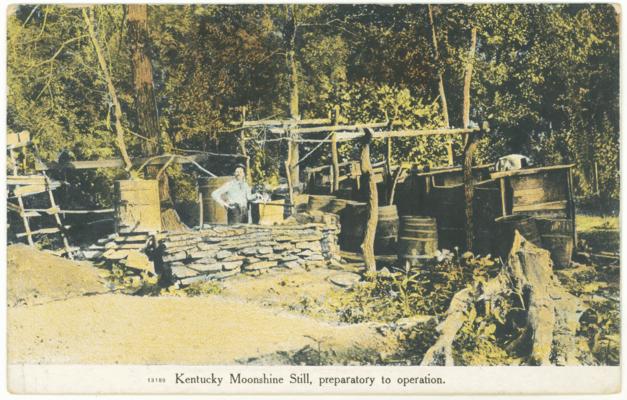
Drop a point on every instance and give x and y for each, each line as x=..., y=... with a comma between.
x=128, y=249
x=219, y=251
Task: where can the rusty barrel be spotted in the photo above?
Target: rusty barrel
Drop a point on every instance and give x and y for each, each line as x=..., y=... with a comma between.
x=387, y=230
x=137, y=206
x=524, y=224
x=213, y=213
x=353, y=225
x=557, y=237
x=417, y=239
x=318, y=202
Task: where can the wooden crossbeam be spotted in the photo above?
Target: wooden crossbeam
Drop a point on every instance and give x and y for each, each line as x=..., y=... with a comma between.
x=332, y=128
x=13, y=180
x=280, y=122
x=29, y=190
x=42, y=231
x=118, y=163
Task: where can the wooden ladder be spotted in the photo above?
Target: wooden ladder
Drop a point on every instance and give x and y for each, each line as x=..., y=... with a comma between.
x=20, y=185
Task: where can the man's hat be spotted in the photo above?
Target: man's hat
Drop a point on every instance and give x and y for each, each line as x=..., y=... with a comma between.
x=242, y=166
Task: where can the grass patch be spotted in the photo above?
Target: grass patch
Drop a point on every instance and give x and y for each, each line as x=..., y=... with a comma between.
x=598, y=233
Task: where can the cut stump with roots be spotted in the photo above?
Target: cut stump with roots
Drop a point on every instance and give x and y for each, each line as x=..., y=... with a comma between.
x=552, y=313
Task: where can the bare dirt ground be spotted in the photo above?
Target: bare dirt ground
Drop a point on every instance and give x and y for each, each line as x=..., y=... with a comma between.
x=72, y=320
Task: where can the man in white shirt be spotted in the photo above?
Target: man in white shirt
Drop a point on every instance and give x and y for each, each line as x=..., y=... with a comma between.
x=234, y=196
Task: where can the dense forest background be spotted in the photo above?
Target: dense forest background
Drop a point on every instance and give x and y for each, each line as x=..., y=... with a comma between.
x=546, y=77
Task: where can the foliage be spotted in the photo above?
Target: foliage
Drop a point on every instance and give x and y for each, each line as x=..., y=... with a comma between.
x=547, y=80
x=598, y=286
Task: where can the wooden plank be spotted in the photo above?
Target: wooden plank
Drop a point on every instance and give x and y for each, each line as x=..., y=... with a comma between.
x=42, y=231
x=30, y=214
x=25, y=180
x=337, y=128
x=29, y=190
x=551, y=205
x=280, y=122
x=530, y=171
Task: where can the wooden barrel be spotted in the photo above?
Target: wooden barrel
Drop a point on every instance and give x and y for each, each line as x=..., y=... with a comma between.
x=319, y=202
x=387, y=230
x=525, y=225
x=417, y=239
x=447, y=204
x=137, y=206
x=557, y=237
x=213, y=213
x=353, y=225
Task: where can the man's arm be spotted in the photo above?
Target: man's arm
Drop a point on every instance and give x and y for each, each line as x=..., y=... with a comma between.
x=219, y=192
x=249, y=194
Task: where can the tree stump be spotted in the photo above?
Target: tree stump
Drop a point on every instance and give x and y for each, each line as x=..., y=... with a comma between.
x=552, y=314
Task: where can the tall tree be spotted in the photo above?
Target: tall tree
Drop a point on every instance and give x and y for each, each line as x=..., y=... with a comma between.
x=146, y=105
x=290, y=55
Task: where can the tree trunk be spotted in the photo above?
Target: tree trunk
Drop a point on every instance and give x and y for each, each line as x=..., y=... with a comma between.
x=293, y=84
x=470, y=143
x=146, y=105
x=367, y=245
x=111, y=89
x=440, y=73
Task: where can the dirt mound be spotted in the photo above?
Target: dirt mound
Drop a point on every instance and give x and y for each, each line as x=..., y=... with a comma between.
x=36, y=277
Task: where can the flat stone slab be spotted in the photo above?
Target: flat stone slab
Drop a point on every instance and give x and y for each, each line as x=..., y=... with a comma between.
x=231, y=265
x=261, y=265
x=183, y=272
x=344, y=279
x=215, y=267
x=222, y=254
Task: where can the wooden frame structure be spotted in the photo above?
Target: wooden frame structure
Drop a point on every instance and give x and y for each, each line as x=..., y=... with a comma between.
x=293, y=130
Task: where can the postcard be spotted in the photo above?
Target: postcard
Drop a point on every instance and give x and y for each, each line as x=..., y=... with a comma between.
x=313, y=198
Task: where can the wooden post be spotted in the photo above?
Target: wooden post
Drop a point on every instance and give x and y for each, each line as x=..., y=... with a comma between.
x=290, y=187
x=288, y=174
x=449, y=150
x=503, y=196
x=201, y=215
x=242, y=146
x=367, y=246
x=334, y=155
x=596, y=178
x=470, y=144
x=57, y=219
x=388, y=167
x=571, y=202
